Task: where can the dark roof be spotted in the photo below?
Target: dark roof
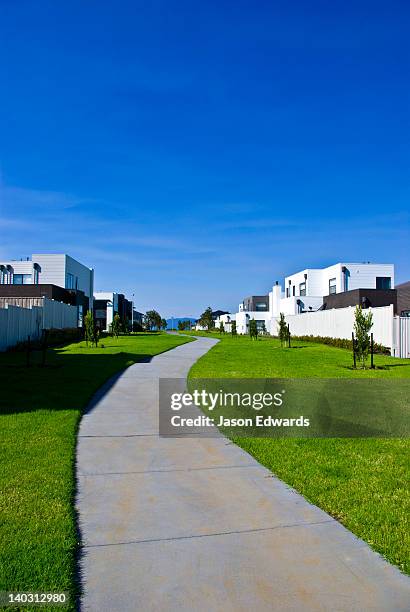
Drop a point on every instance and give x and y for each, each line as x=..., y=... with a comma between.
x=218, y=313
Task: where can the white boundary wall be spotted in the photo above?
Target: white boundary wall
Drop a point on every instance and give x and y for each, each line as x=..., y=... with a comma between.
x=16, y=323
x=402, y=337
x=338, y=323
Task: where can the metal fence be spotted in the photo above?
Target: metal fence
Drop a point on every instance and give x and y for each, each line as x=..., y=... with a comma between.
x=18, y=322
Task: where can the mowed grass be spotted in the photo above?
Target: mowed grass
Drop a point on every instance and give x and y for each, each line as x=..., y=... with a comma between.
x=40, y=410
x=363, y=483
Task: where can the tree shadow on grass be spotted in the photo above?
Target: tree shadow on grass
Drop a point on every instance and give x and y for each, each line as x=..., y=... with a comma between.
x=67, y=382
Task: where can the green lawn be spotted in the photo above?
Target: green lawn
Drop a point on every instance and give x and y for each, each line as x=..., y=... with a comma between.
x=40, y=410
x=364, y=483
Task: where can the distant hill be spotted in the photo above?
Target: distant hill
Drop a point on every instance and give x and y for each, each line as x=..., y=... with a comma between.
x=174, y=322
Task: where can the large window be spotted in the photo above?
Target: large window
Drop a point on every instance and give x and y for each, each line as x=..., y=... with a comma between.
x=383, y=282
x=332, y=286
x=21, y=279
x=71, y=281
x=302, y=289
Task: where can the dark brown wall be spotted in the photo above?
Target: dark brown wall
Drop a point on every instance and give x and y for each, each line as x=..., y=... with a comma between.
x=52, y=292
x=250, y=302
x=374, y=297
x=403, y=297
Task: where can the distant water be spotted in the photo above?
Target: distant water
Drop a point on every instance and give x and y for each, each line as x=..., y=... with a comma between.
x=174, y=322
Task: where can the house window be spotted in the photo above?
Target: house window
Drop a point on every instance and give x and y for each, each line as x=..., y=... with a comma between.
x=287, y=292
x=293, y=292
x=261, y=306
x=302, y=289
x=332, y=286
x=21, y=279
x=383, y=282
x=80, y=315
x=69, y=281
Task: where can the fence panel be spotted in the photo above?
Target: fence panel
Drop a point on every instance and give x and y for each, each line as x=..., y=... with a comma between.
x=58, y=315
x=404, y=337
x=17, y=323
x=338, y=323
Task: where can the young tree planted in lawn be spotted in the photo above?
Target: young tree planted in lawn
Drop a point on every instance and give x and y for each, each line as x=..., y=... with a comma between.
x=253, y=329
x=282, y=329
x=206, y=320
x=164, y=324
x=116, y=325
x=221, y=328
x=92, y=334
x=233, y=329
x=362, y=325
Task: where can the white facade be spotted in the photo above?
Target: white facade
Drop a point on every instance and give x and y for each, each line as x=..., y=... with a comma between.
x=112, y=306
x=304, y=291
x=226, y=320
x=55, y=269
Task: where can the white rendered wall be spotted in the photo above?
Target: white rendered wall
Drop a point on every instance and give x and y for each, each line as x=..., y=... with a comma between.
x=53, y=268
x=363, y=276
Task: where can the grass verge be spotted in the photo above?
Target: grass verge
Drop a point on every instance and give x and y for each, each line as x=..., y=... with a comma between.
x=40, y=410
x=363, y=483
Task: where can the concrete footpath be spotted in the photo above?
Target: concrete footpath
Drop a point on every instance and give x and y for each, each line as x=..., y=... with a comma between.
x=197, y=524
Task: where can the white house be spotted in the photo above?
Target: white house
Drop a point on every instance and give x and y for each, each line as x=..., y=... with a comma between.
x=304, y=292
x=106, y=306
x=49, y=269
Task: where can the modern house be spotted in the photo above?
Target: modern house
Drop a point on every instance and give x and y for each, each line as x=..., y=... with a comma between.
x=313, y=289
x=305, y=290
x=216, y=317
x=109, y=303
x=56, y=276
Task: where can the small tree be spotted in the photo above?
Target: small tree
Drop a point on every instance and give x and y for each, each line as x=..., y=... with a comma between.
x=282, y=329
x=253, y=329
x=92, y=334
x=116, y=325
x=362, y=326
x=206, y=320
x=164, y=324
x=89, y=327
x=152, y=319
x=221, y=328
x=233, y=329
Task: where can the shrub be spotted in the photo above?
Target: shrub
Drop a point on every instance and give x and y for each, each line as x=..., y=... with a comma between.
x=339, y=343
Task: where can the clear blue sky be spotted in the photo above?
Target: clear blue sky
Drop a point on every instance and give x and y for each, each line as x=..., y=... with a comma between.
x=195, y=152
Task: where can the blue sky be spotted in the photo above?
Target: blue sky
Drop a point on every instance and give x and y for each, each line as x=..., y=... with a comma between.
x=195, y=152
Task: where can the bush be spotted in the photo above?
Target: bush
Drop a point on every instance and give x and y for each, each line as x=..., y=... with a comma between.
x=340, y=343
